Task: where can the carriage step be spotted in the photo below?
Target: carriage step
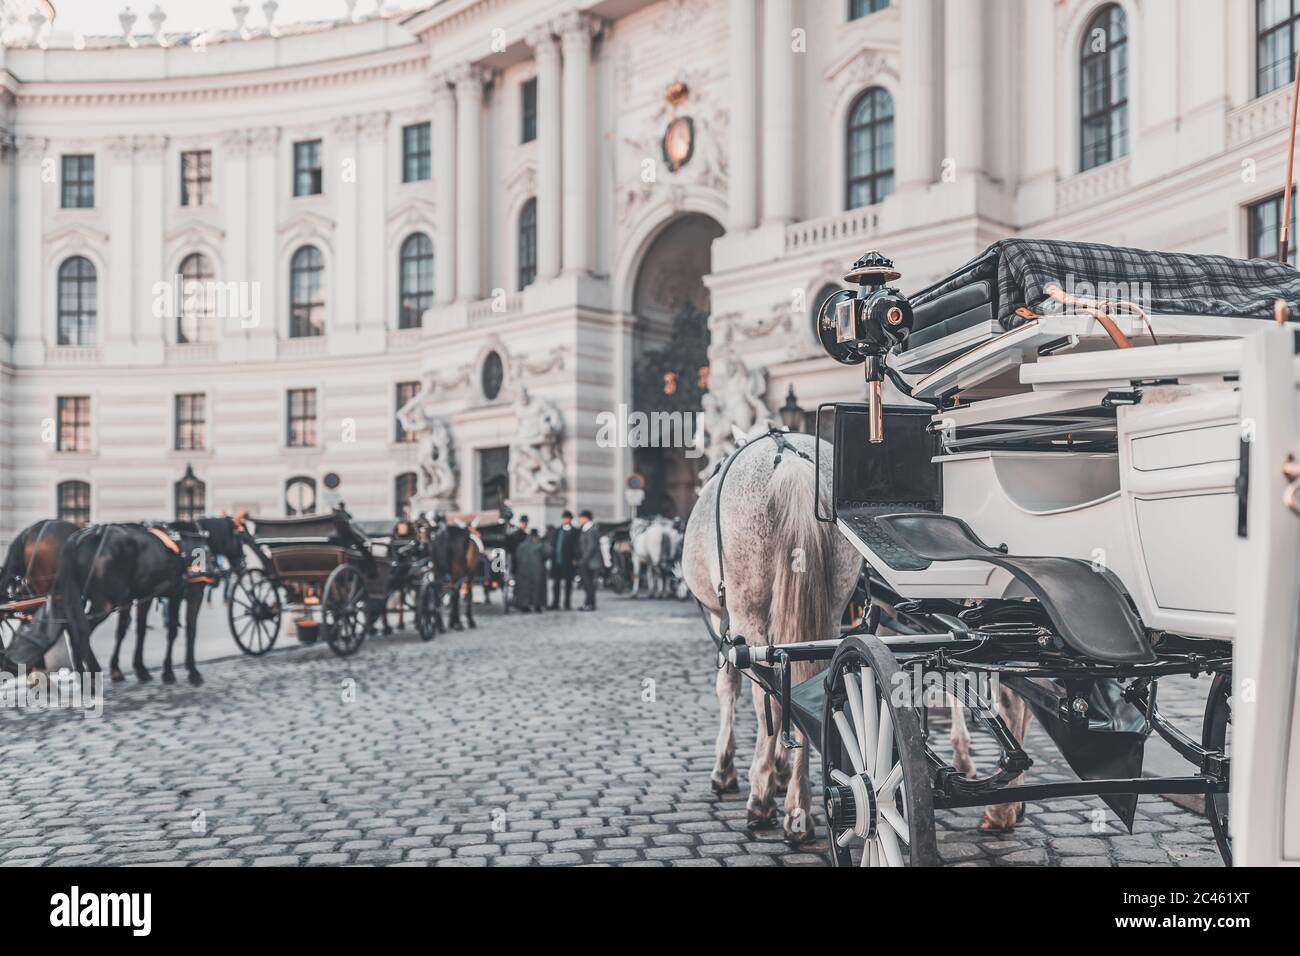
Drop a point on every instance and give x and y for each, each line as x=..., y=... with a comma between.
x=1088, y=607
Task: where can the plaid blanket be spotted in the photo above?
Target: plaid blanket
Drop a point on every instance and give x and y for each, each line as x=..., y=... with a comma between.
x=1169, y=283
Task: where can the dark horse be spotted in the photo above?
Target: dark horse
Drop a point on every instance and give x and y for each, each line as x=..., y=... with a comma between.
x=455, y=553
x=105, y=567
x=222, y=540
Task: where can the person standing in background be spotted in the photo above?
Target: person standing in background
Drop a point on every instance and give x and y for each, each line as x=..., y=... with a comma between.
x=530, y=574
x=589, y=562
x=564, y=550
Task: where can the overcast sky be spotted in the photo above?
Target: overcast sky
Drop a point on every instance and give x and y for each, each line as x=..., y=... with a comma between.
x=97, y=17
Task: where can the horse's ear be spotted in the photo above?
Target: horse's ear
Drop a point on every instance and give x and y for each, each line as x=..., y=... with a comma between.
x=739, y=436
x=239, y=520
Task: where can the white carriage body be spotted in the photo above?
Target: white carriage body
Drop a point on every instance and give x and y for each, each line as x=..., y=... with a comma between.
x=1160, y=510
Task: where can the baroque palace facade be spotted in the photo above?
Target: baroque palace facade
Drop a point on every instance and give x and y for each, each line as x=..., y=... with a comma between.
x=507, y=217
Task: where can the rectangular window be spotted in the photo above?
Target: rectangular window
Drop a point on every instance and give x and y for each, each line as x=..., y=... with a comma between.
x=528, y=111
x=74, y=423
x=196, y=178
x=74, y=502
x=301, y=431
x=306, y=168
x=78, y=182
x=860, y=8
x=191, y=423
x=416, y=153
x=1275, y=43
x=405, y=392
x=1263, y=226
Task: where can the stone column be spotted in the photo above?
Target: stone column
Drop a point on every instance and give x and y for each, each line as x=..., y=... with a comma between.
x=469, y=79
x=150, y=333
x=549, y=164
x=8, y=286
x=375, y=313
x=341, y=174
x=778, y=112
x=263, y=249
x=743, y=54
x=30, y=330
x=233, y=199
x=917, y=157
x=443, y=134
x=964, y=86
x=575, y=30
x=115, y=313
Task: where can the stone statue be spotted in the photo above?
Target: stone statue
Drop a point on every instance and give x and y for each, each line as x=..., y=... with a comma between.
x=437, y=450
x=734, y=404
x=536, y=464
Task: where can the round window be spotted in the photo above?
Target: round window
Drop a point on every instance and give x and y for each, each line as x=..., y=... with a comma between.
x=493, y=375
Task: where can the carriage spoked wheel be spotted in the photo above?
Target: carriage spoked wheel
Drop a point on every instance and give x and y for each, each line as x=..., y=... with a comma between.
x=344, y=606
x=1216, y=734
x=427, y=610
x=876, y=785
x=254, y=612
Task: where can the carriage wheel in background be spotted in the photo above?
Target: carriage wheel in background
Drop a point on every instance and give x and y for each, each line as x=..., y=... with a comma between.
x=254, y=612
x=1216, y=735
x=344, y=609
x=876, y=785
x=428, y=610
x=402, y=607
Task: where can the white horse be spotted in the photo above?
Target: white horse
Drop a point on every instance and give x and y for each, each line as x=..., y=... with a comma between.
x=654, y=542
x=788, y=578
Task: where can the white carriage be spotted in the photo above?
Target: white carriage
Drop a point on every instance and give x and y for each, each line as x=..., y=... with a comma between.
x=1079, y=492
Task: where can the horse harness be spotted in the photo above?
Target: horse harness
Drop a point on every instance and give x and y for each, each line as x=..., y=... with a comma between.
x=187, y=544
x=761, y=675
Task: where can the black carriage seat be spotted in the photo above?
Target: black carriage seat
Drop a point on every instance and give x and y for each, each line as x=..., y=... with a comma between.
x=1088, y=607
x=951, y=312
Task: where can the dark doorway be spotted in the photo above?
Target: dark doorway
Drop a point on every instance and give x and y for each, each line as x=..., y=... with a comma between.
x=672, y=356
x=493, y=478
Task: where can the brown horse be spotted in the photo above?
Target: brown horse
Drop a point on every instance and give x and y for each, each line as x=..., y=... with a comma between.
x=456, y=551
x=29, y=568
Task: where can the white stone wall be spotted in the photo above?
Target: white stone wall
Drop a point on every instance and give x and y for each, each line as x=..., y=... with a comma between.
x=988, y=87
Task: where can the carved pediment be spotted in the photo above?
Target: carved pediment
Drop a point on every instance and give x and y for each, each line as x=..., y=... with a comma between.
x=306, y=225
x=415, y=214
x=195, y=232
x=76, y=233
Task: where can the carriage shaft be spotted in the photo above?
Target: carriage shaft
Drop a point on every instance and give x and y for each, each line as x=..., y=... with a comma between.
x=1039, y=792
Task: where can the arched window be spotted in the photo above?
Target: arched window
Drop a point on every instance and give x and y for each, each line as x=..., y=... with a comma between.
x=870, y=145
x=404, y=488
x=416, y=280
x=527, y=244
x=191, y=497
x=194, y=324
x=306, y=293
x=77, y=293
x=74, y=502
x=1103, y=88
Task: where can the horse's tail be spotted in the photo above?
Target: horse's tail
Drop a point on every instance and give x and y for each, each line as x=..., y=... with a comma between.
x=15, y=561
x=800, y=609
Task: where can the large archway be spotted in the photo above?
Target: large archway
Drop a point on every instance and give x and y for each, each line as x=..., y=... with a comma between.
x=670, y=369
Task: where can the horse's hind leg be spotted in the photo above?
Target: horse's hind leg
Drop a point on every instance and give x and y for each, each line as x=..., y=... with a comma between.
x=1016, y=715
x=798, y=825
x=469, y=603
x=959, y=738
x=123, y=622
x=724, y=763
x=173, y=625
x=761, y=808
x=141, y=626
x=193, y=604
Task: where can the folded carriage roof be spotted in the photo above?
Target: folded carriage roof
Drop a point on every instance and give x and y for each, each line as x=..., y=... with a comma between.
x=1019, y=271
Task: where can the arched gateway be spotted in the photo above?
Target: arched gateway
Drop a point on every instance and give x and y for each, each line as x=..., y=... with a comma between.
x=670, y=371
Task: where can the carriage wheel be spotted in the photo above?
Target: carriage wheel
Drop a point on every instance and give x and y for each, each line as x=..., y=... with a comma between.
x=346, y=615
x=428, y=619
x=254, y=612
x=402, y=608
x=1215, y=735
x=877, y=789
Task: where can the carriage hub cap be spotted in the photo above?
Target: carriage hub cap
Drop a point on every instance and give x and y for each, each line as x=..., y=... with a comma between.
x=853, y=806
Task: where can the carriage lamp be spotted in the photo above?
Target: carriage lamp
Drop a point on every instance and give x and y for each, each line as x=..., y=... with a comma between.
x=861, y=326
x=792, y=416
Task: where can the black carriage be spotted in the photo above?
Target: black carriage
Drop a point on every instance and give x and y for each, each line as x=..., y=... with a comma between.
x=616, y=555
x=336, y=578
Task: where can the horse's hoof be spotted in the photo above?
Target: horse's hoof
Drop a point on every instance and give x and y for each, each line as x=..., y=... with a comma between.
x=733, y=786
x=142, y=675
x=196, y=679
x=797, y=838
x=1000, y=818
x=168, y=677
x=473, y=626
x=457, y=626
x=759, y=820
x=117, y=675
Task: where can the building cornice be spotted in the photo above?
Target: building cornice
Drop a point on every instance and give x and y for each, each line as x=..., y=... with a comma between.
x=210, y=88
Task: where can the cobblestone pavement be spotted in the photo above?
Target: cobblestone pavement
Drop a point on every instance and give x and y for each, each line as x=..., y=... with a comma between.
x=528, y=741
